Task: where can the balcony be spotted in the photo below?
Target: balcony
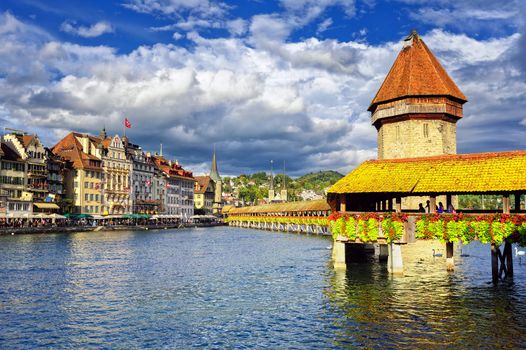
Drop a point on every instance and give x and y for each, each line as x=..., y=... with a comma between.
x=37, y=173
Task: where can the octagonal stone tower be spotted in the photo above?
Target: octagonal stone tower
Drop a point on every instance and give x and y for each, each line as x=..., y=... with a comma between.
x=416, y=109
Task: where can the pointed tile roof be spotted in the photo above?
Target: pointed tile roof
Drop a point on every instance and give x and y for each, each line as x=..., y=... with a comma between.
x=214, y=174
x=202, y=183
x=416, y=72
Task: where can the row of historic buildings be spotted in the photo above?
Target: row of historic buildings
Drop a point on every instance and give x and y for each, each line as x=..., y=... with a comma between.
x=96, y=175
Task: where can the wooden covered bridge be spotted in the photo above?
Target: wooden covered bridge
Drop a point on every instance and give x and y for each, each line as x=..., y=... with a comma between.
x=400, y=185
x=302, y=217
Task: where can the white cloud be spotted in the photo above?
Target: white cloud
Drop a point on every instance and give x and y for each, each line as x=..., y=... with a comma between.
x=177, y=36
x=323, y=26
x=202, y=8
x=237, y=27
x=302, y=101
x=92, y=31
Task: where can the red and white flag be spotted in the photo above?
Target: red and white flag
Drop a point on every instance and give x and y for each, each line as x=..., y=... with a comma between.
x=127, y=123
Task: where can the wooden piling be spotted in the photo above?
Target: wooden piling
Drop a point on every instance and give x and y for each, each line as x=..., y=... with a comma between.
x=509, y=259
x=494, y=264
x=450, y=261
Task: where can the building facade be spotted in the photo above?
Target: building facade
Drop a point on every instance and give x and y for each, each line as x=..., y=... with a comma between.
x=143, y=180
x=83, y=174
x=12, y=172
x=179, y=193
x=117, y=169
x=204, y=195
x=34, y=155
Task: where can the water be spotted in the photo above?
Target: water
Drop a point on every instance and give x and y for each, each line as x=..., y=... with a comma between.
x=227, y=288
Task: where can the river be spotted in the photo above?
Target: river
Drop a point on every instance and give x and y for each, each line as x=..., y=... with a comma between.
x=229, y=288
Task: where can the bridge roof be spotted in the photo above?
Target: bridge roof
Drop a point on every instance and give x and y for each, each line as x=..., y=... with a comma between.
x=317, y=205
x=463, y=173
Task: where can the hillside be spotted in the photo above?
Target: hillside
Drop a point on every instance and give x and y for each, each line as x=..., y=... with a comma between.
x=253, y=187
x=319, y=181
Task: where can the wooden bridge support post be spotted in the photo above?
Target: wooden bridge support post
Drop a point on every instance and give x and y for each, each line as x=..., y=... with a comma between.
x=517, y=204
x=450, y=261
x=494, y=264
x=503, y=259
x=398, y=207
x=506, y=204
x=395, y=264
x=509, y=259
x=338, y=255
x=383, y=254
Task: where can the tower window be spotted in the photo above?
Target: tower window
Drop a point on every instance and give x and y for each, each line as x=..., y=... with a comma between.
x=426, y=130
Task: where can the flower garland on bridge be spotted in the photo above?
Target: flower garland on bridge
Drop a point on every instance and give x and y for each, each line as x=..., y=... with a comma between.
x=291, y=220
x=488, y=228
x=365, y=227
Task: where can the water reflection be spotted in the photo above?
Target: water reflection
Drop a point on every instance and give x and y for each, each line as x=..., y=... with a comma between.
x=428, y=307
x=232, y=288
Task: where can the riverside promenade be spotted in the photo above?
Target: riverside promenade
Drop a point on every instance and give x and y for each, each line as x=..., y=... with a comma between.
x=87, y=228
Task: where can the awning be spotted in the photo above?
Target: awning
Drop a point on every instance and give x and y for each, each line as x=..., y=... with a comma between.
x=46, y=205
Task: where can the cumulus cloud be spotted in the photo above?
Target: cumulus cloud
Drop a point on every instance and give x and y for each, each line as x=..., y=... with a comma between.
x=303, y=102
x=92, y=31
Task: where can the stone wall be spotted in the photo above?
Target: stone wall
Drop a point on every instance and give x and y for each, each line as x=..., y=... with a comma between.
x=416, y=138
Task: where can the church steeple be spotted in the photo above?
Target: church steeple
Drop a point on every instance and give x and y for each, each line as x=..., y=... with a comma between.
x=214, y=174
x=218, y=190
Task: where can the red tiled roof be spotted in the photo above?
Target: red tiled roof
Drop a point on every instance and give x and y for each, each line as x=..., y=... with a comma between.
x=416, y=72
x=202, y=184
x=70, y=149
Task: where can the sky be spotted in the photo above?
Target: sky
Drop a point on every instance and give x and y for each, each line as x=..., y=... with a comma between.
x=286, y=80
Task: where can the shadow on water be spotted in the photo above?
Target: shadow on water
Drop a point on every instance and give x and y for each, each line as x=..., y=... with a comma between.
x=426, y=308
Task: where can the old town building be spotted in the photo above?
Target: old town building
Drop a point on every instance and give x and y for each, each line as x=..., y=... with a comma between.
x=117, y=169
x=33, y=154
x=14, y=199
x=204, y=195
x=84, y=175
x=144, y=181
x=179, y=195
x=55, y=178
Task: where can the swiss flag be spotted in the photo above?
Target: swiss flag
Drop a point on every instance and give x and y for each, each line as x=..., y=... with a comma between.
x=127, y=123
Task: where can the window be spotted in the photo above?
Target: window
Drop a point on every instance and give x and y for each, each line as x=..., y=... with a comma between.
x=426, y=130
x=86, y=197
x=86, y=185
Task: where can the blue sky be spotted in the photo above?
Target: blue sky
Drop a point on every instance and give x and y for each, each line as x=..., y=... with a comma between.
x=284, y=80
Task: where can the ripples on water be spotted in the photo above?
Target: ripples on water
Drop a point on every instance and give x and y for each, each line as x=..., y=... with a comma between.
x=227, y=288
